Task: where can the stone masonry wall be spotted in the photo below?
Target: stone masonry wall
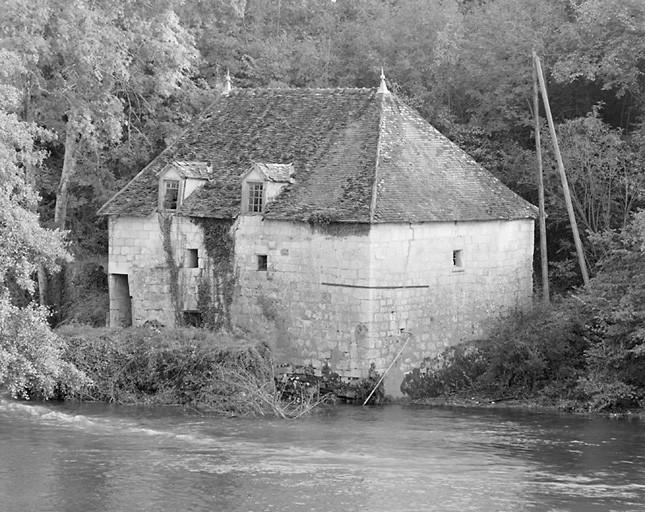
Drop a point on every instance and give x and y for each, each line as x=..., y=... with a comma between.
x=136, y=249
x=353, y=299
x=314, y=320
x=419, y=292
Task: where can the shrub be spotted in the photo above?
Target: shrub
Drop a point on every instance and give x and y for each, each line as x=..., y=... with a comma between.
x=615, y=306
x=454, y=370
x=31, y=363
x=83, y=292
x=521, y=357
x=191, y=367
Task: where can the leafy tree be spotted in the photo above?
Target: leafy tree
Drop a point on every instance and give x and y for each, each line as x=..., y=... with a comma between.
x=485, y=61
x=616, y=316
x=605, y=180
x=98, y=71
x=31, y=355
x=604, y=43
x=31, y=362
x=323, y=43
x=24, y=244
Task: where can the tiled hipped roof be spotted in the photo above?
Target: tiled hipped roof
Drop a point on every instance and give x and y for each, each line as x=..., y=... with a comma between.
x=358, y=156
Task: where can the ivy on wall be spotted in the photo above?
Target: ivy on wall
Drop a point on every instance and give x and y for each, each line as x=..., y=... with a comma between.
x=215, y=291
x=165, y=223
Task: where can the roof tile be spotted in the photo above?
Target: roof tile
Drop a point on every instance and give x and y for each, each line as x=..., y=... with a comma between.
x=344, y=146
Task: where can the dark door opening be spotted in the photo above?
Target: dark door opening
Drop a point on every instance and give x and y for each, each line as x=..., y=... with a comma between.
x=120, y=301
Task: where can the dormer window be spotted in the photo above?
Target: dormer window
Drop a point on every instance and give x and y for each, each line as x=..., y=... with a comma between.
x=262, y=183
x=256, y=197
x=170, y=194
x=178, y=180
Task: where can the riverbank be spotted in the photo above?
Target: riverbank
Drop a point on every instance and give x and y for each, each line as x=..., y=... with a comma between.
x=193, y=368
x=199, y=369
x=533, y=363
x=528, y=405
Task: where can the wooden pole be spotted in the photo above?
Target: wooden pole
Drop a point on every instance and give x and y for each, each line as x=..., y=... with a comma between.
x=540, y=182
x=563, y=176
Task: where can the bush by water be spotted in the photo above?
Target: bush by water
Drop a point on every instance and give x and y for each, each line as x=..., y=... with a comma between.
x=198, y=368
x=32, y=363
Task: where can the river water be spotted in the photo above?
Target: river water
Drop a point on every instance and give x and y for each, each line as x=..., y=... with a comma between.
x=78, y=458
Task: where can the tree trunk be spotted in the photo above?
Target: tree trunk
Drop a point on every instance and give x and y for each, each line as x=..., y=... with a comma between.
x=31, y=179
x=42, y=285
x=69, y=167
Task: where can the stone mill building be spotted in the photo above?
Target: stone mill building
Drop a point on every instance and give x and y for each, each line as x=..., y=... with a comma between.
x=336, y=220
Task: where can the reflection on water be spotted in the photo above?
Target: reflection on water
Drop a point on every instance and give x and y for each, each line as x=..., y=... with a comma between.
x=100, y=458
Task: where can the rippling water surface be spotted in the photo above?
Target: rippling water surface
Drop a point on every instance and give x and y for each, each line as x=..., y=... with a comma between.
x=396, y=458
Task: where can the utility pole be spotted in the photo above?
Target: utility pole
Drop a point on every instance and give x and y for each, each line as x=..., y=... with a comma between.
x=544, y=260
x=563, y=176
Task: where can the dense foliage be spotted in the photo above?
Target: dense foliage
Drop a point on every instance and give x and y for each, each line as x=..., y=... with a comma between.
x=189, y=367
x=24, y=244
x=584, y=352
x=31, y=356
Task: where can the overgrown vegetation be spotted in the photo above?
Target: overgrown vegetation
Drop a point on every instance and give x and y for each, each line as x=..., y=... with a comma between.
x=190, y=367
x=215, y=292
x=84, y=295
x=303, y=380
x=585, y=352
x=165, y=225
x=32, y=362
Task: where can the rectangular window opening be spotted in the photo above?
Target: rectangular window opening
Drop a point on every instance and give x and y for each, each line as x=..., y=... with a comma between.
x=171, y=194
x=457, y=259
x=262, y=262
x=256, y=197
x=192, y=258
x=193, y=318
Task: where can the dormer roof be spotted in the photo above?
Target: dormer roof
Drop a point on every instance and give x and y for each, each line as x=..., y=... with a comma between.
x=357, y=156
x=277, y=173
x=188, y=169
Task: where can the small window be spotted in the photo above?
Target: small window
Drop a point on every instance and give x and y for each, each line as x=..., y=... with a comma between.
x=193, y=318
x=171, y=194
x=457, y=259
x=192, y=258
x=256, y=197
x=262, y=262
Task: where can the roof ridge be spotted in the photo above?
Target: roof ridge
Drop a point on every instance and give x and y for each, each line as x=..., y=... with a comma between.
x=381, y=99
